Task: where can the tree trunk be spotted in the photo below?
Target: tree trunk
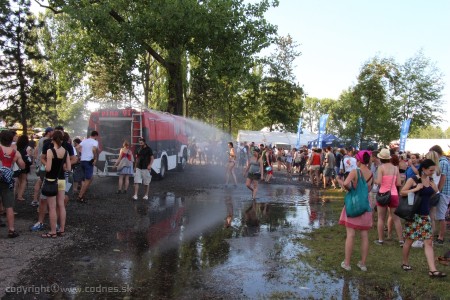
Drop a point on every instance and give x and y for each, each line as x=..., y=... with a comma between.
x=175, y=105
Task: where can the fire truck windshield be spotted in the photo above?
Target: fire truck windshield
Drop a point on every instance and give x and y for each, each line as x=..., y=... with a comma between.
x=113, y=133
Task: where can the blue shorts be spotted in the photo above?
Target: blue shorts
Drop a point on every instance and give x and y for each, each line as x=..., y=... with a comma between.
x=88, y=169
x=442, y=207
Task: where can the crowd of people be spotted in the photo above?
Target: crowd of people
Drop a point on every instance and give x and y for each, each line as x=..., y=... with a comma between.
x=67, y=163
x=383, y=171
x=71, y=165
x=58, y=161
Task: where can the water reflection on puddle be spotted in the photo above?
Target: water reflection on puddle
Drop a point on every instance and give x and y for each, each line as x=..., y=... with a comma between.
x=220, y=241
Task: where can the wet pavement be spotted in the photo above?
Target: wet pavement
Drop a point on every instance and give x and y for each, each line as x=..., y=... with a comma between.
x=194, y=238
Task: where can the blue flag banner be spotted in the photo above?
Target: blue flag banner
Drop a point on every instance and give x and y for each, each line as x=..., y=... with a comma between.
x=404, y=130
x=322, y=125
x=358, y=139
x=299, y=131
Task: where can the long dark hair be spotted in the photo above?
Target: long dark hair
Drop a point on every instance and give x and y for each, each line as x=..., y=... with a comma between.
x=57, y=137
x=426, y=164
x=22, y=142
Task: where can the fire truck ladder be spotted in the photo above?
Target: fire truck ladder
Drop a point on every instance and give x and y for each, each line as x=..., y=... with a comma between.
x=136, y=128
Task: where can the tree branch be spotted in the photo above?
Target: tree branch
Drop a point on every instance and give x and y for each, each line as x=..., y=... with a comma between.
x=54, y=10
x=147, y=47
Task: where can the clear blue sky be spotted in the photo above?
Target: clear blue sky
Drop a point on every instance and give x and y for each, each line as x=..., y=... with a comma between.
x=337, y=37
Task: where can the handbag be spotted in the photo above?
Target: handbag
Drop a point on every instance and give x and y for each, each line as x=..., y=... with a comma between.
x=409, y=205
x=50, y=187
x=407, y=209
x=356, y=200
x=384, y=199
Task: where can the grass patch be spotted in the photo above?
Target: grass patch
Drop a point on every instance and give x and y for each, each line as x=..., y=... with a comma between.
x=384, y=278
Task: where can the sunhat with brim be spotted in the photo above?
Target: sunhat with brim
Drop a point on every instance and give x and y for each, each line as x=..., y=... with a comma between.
x=384, y=154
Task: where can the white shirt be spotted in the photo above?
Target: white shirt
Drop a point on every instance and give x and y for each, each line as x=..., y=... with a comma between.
x=86, y=149
x=348, y=164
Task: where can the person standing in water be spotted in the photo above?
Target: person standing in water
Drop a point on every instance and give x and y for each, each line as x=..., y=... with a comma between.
x=231, y=164
x=254, y=171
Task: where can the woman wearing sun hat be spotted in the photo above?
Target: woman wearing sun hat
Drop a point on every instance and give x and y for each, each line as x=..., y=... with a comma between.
x=388, y=179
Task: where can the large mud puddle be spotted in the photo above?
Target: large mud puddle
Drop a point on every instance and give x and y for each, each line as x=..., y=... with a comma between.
x=217, y=244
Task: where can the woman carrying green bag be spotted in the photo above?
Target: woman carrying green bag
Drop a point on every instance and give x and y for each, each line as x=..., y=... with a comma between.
x=362, y=222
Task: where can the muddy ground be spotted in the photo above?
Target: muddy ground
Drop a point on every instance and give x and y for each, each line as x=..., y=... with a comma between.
x=179, y=244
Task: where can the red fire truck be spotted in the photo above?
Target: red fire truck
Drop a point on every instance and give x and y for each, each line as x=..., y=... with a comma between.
x=166, y=134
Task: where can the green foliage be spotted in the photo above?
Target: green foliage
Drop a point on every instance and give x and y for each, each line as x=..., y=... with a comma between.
x=18, y=90
x=419, y=91
x=428, y=132
x=224, y=34
x=280, y=94
x=386, y=94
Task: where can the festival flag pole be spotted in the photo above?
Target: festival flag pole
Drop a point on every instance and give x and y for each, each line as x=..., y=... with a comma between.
x=322, y=125
x=299, y=131
x=404, y=130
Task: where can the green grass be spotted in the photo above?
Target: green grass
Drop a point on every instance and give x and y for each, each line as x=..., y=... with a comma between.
x=384, y=278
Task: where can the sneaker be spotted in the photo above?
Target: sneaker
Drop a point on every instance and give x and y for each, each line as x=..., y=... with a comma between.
x=439, y=242
x=362, y=267
x=346, y=268
x=417, y=244
x=145, y=197
x=379, y=243
x=401, y=243
x=135, y=197
x=57, y=228
x=34, y=203
x=37, y=227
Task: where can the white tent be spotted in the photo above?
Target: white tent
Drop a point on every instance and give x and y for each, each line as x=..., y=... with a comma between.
x=422, y=146
x=260, y=137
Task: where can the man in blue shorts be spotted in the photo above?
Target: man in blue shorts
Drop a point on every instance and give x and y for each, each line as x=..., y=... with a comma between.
x=88, y=159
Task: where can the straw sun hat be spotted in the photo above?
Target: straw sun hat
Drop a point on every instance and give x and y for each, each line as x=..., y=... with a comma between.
x=384, y=154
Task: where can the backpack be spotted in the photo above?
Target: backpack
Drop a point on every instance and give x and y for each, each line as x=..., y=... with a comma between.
x=6, y=173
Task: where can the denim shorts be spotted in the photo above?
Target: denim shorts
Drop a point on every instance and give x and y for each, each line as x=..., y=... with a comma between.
x=88, y=169
x=441, y=208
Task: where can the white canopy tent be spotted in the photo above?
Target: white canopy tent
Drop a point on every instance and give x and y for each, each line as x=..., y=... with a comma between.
x=262, y=137
x=422, y=146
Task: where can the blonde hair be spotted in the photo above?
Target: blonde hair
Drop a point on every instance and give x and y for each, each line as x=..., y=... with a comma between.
x=434, y=156
x=125, y=144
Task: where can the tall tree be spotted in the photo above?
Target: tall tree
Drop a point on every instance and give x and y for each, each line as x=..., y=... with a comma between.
x=365, y=110
x=18, y=47
x=227, y=29
x=418, y=95
x=281, y=95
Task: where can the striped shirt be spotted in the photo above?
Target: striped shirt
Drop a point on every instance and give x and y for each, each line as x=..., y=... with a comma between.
x=445, y=169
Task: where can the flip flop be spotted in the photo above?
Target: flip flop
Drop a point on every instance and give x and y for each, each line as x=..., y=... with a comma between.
x=49, y=235
x=436, y=274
